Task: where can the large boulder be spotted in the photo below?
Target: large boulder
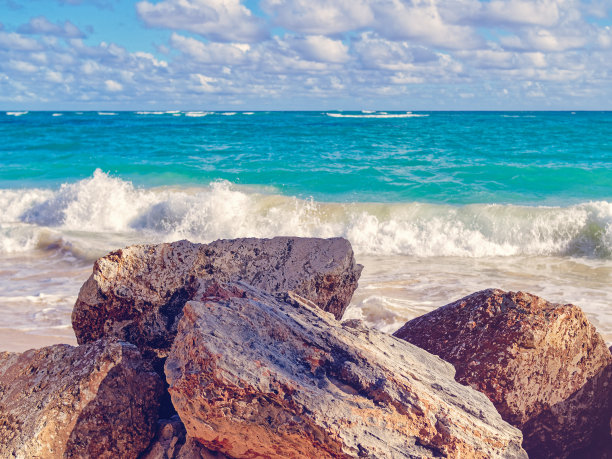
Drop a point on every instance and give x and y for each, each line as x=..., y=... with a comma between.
x=137, y=294
x=251, y=376
x=97, y=400
x=543, y=365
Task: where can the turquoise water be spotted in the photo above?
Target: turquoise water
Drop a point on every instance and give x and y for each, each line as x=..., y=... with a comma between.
x=552, y=158
x=436, y=205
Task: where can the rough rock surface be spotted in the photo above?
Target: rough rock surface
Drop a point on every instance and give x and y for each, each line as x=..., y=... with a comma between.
x=251, y=376
x=97, y=400
x=543, y=365
x=137, y=294
x=171, y=442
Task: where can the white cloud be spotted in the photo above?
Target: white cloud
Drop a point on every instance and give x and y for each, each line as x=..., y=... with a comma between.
x=321, y=16
x=113, y=86
x=213, y=53
x=42, y=26
x=22, y=66
x=419, y=20
x=149, y=57
x=220, y=20
x=531, y=12
x=54, y=77
x=369, y=52
x=604, y=37
x=15, y=41
x=320, y=48
x=376, y=52
x=205, y=83
x=545, y=40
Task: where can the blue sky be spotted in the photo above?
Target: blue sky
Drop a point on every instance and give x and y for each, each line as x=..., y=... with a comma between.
x=305, y=54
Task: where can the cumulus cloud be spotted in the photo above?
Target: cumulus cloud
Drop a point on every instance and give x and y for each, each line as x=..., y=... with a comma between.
x=219, y=20
x=320, y=48
x=440, y=53
x=529, y=12
x=15, y=41
x=113, y=86
x=40, y=25
x=421, y=20
x=212, y=53
x=320, y=16
x=545, y=40
x=375, y=52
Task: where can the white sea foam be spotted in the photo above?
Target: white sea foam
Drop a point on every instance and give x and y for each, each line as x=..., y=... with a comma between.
x=228, y=113
x=106, y=113
x=150, y=113
x=102, y=211
x=57, y=114
x=248, y=113
x=16, y=113
x=378, y=115
x=196, y=114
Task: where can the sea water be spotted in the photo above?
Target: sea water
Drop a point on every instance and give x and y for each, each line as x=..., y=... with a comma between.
x=437, y=205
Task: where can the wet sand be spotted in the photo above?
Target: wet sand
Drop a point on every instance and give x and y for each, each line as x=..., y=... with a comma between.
x=19, y=341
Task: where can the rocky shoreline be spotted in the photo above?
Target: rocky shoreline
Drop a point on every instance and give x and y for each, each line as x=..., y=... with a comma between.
x=238, y=349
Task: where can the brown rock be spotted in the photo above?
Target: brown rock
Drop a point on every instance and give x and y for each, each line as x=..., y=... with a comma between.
x=254, y=377
x=97, y=400
x=543, y=365
x=171, y=442
x=137, y=294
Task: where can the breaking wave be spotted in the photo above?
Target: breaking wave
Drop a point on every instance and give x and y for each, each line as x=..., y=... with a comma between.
x=100, y=213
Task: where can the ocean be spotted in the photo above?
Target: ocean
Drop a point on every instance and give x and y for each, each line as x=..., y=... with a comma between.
x=437, y=205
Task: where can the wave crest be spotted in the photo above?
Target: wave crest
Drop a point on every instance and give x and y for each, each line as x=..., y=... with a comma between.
x=105, y=212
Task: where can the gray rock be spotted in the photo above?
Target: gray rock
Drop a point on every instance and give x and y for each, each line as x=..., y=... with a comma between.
x=98, y=400
x=251, y=376
x=137, y=294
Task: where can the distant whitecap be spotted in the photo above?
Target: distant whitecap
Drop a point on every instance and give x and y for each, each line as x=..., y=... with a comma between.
x=197, y=114
x=378, y=115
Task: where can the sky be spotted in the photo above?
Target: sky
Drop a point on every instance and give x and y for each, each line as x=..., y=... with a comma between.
x=305, y=55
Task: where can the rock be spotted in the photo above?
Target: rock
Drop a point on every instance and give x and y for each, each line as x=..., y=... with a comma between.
x=251, y=376
x=137, y=294
x=543, y=365
x=171, y=442
x=97, y=400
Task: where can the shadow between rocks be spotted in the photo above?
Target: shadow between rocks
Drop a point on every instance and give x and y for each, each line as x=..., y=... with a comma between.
x=121, y=420
x=541, y=430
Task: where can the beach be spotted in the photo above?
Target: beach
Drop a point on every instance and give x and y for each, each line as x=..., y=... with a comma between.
x=436, y=206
